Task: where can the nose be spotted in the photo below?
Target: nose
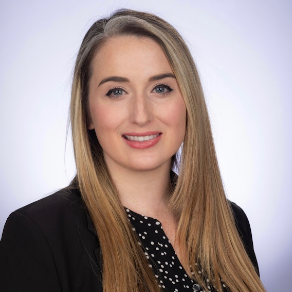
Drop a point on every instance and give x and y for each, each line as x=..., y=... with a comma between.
x=141, y=110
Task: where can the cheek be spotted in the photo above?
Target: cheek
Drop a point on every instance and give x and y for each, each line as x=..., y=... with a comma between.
x=104, y=118
x=175, y=116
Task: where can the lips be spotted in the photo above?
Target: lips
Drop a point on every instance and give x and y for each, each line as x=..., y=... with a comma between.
x=142, y=140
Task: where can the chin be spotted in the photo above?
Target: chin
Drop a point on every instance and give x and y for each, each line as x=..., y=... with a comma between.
x=149, y=166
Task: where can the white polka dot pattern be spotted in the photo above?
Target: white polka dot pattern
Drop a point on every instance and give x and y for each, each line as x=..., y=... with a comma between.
x=170, y=274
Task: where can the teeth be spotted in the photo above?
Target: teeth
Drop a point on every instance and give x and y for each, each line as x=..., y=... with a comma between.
x=141, y=138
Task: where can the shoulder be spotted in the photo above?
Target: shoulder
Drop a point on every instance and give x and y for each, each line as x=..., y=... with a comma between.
x=51, y=214
x=56, y=215
x=242, y=224
x=244, y=230
x=52, y=239
x=240, y=218
x=63, y=201
x=60, y=217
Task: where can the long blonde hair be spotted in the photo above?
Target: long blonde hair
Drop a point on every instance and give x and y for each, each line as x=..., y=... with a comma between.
x=206, y=231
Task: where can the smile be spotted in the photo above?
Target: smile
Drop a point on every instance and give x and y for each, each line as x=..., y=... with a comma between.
x=141, y=138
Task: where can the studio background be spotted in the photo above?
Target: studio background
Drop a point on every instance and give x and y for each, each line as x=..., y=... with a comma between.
x=243, y=53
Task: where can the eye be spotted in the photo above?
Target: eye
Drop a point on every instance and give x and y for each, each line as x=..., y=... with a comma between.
x=115, y=92
x=162, y=89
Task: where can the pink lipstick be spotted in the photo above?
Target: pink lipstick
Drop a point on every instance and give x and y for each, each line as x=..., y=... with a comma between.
x=142, y=140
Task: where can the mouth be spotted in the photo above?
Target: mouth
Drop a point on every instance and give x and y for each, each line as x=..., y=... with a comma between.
x=141, y=138
x=141, y=141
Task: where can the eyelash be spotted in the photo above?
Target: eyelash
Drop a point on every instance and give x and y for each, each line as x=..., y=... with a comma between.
x=168, y=88
x=109, y=93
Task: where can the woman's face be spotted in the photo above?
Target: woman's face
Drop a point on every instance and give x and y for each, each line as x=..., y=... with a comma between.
x=135, y=104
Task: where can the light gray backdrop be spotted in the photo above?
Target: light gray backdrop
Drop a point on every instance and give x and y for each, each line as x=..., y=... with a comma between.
x=243, y=52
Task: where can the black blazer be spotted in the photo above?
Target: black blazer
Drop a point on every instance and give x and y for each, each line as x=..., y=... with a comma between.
x=51, y=245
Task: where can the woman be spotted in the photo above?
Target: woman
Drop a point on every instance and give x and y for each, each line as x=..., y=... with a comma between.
x=127, y=222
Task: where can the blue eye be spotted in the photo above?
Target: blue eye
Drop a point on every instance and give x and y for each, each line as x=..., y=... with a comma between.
x=115, y=92
x=162, y=88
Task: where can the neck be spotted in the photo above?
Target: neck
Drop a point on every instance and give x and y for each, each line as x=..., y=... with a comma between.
x=144, y=192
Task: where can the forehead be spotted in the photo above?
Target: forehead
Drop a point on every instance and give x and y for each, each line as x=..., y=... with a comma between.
x=133, y=55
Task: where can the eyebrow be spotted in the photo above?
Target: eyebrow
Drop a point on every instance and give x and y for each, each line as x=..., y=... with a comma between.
x=123, y=79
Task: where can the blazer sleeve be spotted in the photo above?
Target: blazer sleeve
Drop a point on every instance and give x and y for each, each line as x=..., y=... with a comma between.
x=26, y=261
x=244, y=231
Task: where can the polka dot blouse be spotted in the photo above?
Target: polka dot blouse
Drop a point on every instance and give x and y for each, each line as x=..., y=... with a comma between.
x=170, y=274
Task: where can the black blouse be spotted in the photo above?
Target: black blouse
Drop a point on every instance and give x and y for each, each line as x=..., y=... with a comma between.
x=162, y=258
